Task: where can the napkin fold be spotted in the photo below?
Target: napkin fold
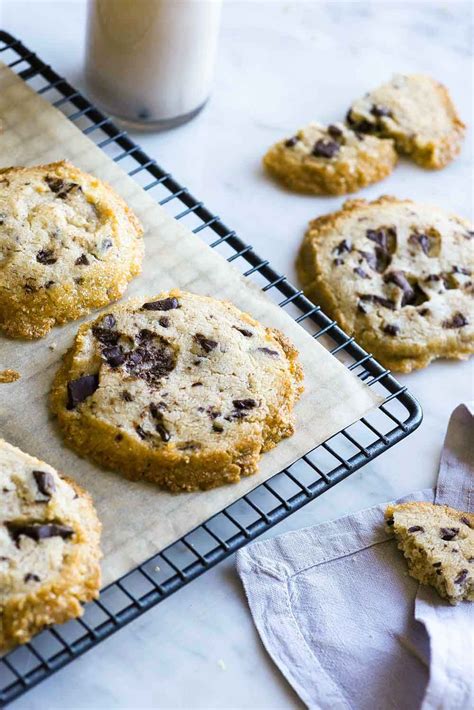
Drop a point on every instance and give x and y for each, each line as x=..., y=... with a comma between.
x=346, y=624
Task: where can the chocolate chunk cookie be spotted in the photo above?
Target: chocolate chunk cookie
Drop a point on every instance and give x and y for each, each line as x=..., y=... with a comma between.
x=438, y=543
x=49, y=547
x=397, y=275
x=330, y=161
x=182, y=390
x=68, y=244
x=418, y=113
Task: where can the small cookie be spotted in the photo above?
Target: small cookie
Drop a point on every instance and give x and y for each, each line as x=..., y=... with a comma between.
x=397, y=275
x=180, y=389
x=330, y=161
x=68, y=244
x=418, y=113
x=438, y=543
x=49, y=547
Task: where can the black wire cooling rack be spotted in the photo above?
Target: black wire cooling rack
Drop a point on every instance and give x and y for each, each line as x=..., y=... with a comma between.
x=270, y=502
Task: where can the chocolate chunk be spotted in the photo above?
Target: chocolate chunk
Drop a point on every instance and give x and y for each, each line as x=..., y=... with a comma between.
x=30, y=577
x=126, y=396
x=166, y=304
x=38, y=531
x=461, y=270
x=325, y=149
x=466, y=521
x=360, y=272
x=145, y=335
x=219, y=428
x=385, y=237
x=156, y=410
x=433, y=277
x=424, y=312
x=82, y=260
x=436, y=564
x=46, y=256
x=291, y=142
x=400, y=280
x=80, y=389
x=267, y=351
x=416, y=528
x=379, y=260
x=448, y=533
x=162, y=431
x=469, y=234
x=164, y=321
x=206, y=344
x=105, y=335
x=363, y=125
x=246, y=333
x=197, y=384
x=114, y=355
x=379, y=111
x=244, y=403
x=457, y=321
x=141, y=432
x=338, y=261
x=391, y=329
x=335, y=132
x=343, y=246
x=55, y=184
x=422, y=240
x=461, y=576
x=151, y=361
x=45, y=482
x=390, y=522
x=379, y=300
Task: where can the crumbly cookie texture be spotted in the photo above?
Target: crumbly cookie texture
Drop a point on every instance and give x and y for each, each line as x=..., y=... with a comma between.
x=7, y=376
x=418, y=113
x=68, y=244
x=330, y=161
x=438, y=543
x=180, y=389
x=397, y=275
x=49, y=547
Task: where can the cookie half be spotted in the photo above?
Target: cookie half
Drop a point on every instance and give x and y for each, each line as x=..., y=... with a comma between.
x=68, y=244
x=438, y=543
x=179, y=389
x=418, y=113
x=330, y=161
x=49, y=547
x=397, y=275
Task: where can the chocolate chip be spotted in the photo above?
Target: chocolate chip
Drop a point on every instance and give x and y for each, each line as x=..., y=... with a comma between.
x=82, y=260
x=335, y=132
x=246, y=333
x=166, y=304
x=422, y=240
x=267, y=351
x=461, y=270
x=466, y=521
x=80, y=389
x=362, y=125
x=448, y=533
x=325, y=149
x=469, y=234
x=45, y=482
x=399, y=279
x=37, y=531
x=291, y=142
x=156, y=410
x=126, y=396
x=30, y=577
x=60, y=187
x=164, y=321
x=385, y=237
x=438, y=571
x=390, y=522
x=343, y=246
x=46, y=256
x=457, y=321
x=379, y=260
x=416, y=528
x=151, y=361
x=197, y=384
x=162, y=431
x=219, y=428
x=141, y=432
x=461, y=576
x=338, y=262
x=244, y=403
x=114, y=355
x=379, y=300
x=206, y=344
x=436, y=564
x=424, y=312
x=379, y=111
x=391, y=329
x=105, y=335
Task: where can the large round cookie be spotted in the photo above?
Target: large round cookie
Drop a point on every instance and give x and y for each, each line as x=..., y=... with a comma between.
x=68, y=244
x=418, y=113
x=179, y=389
x=397, y=275
x=49, y=547
x=330, y=161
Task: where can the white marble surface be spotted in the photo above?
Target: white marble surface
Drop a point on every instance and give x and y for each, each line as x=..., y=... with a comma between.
x=280, y=65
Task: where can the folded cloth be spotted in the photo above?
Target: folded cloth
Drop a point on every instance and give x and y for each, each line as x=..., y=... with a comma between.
x=346, y=624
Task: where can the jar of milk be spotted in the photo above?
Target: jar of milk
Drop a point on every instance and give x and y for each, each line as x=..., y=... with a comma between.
x=150, y=62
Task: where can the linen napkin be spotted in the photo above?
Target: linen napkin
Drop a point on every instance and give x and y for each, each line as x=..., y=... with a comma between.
x=346, y=624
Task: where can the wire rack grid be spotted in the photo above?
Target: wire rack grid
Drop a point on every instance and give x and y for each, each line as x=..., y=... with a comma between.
x=269, y=503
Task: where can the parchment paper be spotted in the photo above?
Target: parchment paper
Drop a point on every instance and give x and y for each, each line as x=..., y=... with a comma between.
x=138, y=518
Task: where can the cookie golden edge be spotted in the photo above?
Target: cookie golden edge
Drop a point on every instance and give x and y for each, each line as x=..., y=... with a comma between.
x=429, y=578
x=391, y=355
x=31, y=316
x=24, y=615
x=98, y=441
x=312, y=178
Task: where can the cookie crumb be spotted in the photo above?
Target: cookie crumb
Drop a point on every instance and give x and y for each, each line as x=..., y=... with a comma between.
x=9, y=376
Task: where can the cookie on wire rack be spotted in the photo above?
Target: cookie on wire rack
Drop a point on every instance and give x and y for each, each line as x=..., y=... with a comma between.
x=397, y=275
x=68, y=244
x=49, y=547
x=179, y=389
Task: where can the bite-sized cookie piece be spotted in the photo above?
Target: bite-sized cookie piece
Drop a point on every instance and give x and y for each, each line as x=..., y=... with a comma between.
x=179, y=389
x=68, y=244
x=418, y=113
x=330, y=161
x=438, y=543
x=397, y=275
x=49, y=547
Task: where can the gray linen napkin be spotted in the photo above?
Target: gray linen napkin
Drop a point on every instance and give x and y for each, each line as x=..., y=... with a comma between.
x=346, y=624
